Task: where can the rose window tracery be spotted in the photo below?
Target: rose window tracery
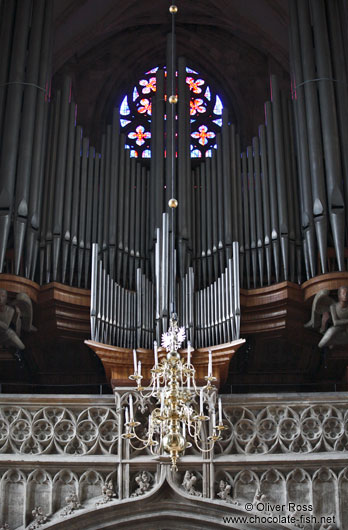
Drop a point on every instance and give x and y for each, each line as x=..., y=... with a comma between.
x=205, y=115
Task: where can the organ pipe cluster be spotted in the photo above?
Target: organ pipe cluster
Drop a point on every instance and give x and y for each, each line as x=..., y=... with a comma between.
x=283, y=197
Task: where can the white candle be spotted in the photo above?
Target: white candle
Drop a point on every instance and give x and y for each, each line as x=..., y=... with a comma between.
x=139, y=368
x=131, y=406
x=184, y=430
x=220, y=411
x=135, y=360
x=201, y=402
x=210, y=364
x=127, y=415
x=213, y=417
x=188, y=353
x=155, y=352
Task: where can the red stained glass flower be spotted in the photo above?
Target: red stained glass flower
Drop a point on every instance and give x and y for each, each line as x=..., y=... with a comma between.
x=203, y=134
x=148, y=84
x=195, y=84
x=145, y=107
x=196, y=105
x=140, y=135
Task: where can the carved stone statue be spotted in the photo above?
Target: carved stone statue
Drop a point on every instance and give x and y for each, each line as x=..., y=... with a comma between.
x=225, y=491
x=72, y=504
x=143, y=480
x=39, y=518
x=259, y=496
x=13, y=318
x=4, y=527
x=189, y=484
x=108, y=493
x=330, y=318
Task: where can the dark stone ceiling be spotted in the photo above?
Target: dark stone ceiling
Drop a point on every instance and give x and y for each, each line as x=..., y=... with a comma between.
x=106, y=45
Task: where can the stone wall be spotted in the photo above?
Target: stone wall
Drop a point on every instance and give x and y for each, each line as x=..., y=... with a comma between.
x=65, y=455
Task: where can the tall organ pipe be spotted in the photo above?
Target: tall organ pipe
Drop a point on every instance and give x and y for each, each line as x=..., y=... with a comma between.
x=265, y=200
x=281, y=175
x=340, y=74
x=50, y=183
x=120, y=209
x=272, y=187
x=258, y=205
x=66, y=227
x=25, y=148
x=75, y=202
x=82, y=210
x=288, y=182
x=246, y=219
x=39, y=146
x=60, y=175
x=107, y=184
x=7, y=20
x=329, y=130
x=314, y=130
x=252, y=218
x=89, y=212
x=205, y=221
x=8, y=161
x=295, y=192
x=115, y=142
x=218, y=181
x=305, y=187
x=227, y=184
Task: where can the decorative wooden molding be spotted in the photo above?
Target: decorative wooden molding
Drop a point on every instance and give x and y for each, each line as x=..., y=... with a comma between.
x=17, y=284
x=331, y=281
x=266, y=309
x=272, y=320
x=118, y=362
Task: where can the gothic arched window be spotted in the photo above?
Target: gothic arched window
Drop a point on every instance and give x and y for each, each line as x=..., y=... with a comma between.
x=205, y=113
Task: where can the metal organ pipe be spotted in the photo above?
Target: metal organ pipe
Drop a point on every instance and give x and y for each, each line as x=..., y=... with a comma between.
x=331, y=145
x=312, y=113
x=12, y=120
x=25, y=148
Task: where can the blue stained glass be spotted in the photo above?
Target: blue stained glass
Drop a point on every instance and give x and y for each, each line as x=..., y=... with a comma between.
x=207, y=94
x=124, y=108
x=209, y=153
x=218, y=106
x=195, y=153
x=135, y=93
x=146, y=153
x=153, y=71
x=218, y=122
x=189, y=71
x=124, y=122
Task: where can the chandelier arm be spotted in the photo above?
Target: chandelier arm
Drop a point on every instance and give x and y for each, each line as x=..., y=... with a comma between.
x=138, y=448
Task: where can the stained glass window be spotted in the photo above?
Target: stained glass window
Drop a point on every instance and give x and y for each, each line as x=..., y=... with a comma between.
x=205, y=115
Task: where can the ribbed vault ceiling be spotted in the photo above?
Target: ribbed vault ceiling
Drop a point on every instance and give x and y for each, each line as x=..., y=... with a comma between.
x=106, y=45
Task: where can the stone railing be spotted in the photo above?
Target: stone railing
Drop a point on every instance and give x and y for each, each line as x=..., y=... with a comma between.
x=64, y=454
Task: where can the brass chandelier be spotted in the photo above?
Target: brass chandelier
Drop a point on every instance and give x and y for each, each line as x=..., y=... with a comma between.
x=175, y=419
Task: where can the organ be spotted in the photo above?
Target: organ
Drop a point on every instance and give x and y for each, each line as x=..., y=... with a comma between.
x=254, y=215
